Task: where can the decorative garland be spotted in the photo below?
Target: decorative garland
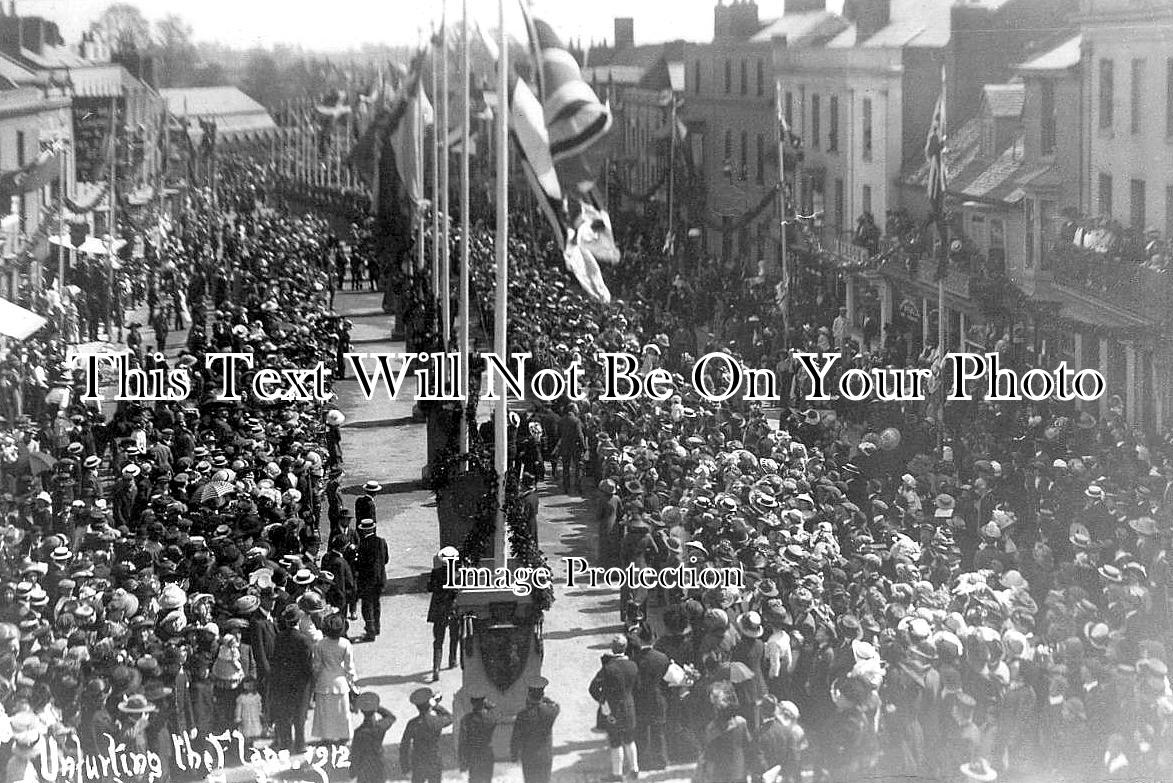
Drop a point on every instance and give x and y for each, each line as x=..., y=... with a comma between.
x=79, y=209
x=522, y=542
x=745, y=219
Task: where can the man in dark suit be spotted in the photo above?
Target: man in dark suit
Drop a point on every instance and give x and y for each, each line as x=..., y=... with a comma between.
x=419, y=750
x=651, y=703
x=262, y=637
x=476, y=740
x=371, y=574
x=291, y=672
x=532, y=742
x=614, y=688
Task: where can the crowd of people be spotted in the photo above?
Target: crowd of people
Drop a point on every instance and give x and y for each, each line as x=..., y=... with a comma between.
x=970, y=598
x=921, y=597
x=186, y=567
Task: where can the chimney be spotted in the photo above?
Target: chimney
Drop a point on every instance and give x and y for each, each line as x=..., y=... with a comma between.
x=805, y=6
x=868, y=16
x=737, y=21
x=624, y=33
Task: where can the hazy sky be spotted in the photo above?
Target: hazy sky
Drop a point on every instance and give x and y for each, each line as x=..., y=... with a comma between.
x=341, y=24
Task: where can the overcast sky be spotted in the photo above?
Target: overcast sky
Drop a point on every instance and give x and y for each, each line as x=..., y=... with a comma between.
x=341, y=24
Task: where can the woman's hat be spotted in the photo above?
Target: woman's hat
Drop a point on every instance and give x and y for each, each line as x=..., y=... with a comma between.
x=304, y=576
x=371, y=487
x=136, y=703
x=749, y=624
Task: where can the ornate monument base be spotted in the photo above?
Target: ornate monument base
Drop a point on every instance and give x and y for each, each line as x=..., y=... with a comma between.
x=501, y=650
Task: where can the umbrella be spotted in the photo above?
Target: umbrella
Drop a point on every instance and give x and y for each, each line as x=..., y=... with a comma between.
x=214, y=490
x=40, y=461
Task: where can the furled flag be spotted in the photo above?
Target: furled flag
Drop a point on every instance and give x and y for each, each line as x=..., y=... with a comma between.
x=934, y=155
x=405, y=141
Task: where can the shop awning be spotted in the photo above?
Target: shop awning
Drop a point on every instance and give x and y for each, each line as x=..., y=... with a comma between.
x=17, y=322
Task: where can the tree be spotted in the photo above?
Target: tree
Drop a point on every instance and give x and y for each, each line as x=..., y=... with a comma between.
x=262, y=78
x=177, y=54
x=123, y=27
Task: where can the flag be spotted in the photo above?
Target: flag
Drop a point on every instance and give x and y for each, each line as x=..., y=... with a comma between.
x=935, y=187
x=528, y=129
x=585, y=268
x=934, y=151
x=405, y=141
x=576, y=119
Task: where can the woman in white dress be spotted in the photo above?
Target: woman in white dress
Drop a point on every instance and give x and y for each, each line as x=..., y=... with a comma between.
x=334, y=678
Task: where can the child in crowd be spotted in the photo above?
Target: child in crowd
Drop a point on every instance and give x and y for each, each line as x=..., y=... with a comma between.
x=248, y=711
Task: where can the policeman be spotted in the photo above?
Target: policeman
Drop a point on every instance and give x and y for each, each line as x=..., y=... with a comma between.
x=364, y=505
x=419, y=750
x=533, y=733
x=371, y=574
x=476, y=740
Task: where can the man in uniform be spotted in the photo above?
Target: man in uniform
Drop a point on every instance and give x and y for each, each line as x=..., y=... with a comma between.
x=371, y=574
x=441, y=612
x=476, y=740
x=364, y=505
x=419, y=750
x=533, y=734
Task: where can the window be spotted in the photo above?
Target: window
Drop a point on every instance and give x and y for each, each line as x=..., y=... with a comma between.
x=867, y=128
x=833, y=135
x=1169, y=97
x=867, y=198
x=696, y=76
x=1136, y=212
x=743, y=171
x=729, y=147
x=1047, y=118
x=744, y=78
x=19, y=149
x=997, y=253
x=728, y=76
x=1029, y=214
x=1106, y=93
x=1168, y=211
x=789, y=108
x=1105, y=195
x=761, y=176
x=1137, y=93
x=839, y=217
x=761, y=78
x=1046, y=226
x=815, y=124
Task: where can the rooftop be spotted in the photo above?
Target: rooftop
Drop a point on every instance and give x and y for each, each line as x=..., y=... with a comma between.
x=1063, y=57
x=808, y=27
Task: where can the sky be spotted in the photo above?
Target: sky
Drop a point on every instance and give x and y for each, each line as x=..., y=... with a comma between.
x=333, y=25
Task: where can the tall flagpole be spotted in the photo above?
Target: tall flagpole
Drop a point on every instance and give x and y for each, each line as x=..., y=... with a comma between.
x=462, y=302
x=435, y=172
x=785, y=270
x=419, y=167
x=941, y=330
x=500, y=430
x=445, y=223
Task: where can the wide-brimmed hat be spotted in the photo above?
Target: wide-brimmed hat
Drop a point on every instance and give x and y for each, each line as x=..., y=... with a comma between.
x=749, y=624
x=136, y=703
x=304, y=576
x=372, y=487
x=1145, y=526
x=1095, y=492
x=979, y=770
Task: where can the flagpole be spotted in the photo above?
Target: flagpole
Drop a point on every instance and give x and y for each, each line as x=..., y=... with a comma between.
x=500, y=430
x=672, y=168
x=941, y=331
x=435, y=172
x=445, y=224
x=419, y=168
x=462, y=302
x=785, y=271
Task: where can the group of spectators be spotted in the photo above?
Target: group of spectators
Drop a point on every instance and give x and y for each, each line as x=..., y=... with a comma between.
x=186, y=565
x=977, y=597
